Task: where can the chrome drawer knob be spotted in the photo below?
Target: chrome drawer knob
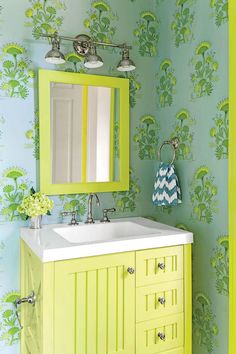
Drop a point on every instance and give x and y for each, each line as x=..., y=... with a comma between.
x=162, y=336
x=161, y=266
x=131, y=270
x=162, y=300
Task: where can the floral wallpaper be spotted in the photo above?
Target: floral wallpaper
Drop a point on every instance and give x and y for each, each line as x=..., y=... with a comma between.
x=205, y=70
x=166, y=82
x=193, y=38
x=44, y=16
x=15, y=71
x=179, y=89
x=182, y=23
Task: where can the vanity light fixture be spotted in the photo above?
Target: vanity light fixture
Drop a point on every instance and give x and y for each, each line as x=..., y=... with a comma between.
x=86, y=47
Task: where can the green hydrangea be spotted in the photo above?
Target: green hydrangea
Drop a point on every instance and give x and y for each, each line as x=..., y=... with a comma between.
x=36, y=204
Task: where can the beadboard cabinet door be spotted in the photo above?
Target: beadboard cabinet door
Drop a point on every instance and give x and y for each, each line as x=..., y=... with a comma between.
x=95, y=305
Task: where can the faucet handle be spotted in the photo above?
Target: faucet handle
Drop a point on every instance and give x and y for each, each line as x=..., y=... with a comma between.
x=73, y=214
x=105, y=216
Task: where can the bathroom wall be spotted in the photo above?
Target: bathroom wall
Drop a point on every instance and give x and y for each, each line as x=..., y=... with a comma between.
x=21, y=54
x=179, y=88
x=192, y=101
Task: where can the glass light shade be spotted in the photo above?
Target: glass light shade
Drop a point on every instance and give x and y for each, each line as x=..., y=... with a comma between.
x=54, y=56
x=126, y=65
x=93, y=60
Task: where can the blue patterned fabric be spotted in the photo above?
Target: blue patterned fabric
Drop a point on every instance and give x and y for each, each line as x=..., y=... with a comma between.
x=166, y=188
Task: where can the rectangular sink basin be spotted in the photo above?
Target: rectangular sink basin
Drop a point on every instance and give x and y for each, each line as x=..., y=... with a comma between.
x=103, y=232
x=60, y=242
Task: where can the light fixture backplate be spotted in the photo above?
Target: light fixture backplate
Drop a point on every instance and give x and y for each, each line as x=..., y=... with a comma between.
x=81, y=44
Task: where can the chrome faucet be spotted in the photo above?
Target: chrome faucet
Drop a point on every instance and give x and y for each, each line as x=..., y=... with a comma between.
x=89, y=219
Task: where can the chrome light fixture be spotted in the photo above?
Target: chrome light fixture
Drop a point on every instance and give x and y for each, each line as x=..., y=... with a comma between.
x=126, y=64
x=87, y=47
x=54, y=56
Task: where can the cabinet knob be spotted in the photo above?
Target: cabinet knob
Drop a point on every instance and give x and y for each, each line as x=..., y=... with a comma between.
x=131, y=270
x=161, y=266
x=162, y=300
x=162, y=336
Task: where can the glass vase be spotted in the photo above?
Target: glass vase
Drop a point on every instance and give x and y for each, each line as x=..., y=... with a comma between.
x=36, y=222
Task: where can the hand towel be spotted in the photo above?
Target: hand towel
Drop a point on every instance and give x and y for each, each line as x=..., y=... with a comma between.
x=166, y=188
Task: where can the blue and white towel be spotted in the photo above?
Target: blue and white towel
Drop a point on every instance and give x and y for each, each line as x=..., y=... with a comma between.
x=166, y=188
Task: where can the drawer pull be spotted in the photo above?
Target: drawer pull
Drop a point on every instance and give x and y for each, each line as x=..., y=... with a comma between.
x=162, y=336
x=162, y=300
x=161, y=266
x=131, y=270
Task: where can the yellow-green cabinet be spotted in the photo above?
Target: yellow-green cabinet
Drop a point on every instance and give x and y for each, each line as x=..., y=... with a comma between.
x=97, y=305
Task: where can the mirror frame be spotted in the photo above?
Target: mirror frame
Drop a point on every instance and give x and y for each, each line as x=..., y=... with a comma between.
x=46, y=77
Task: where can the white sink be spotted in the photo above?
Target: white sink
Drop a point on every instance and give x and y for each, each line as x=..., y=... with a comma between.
x=60, y=242
x=104, y=232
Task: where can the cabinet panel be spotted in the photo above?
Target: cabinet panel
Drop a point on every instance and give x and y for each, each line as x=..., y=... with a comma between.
x=31, y=315
x=95, y=305
x=159, y=265
x=148, y=334
x=163, y=299
x=37, y=321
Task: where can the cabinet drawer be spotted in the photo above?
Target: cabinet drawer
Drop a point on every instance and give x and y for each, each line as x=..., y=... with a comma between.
x=148, y=335
x=159, y=265
x=159, y=300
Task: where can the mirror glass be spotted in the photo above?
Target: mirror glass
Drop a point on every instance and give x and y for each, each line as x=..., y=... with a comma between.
x=84, y=133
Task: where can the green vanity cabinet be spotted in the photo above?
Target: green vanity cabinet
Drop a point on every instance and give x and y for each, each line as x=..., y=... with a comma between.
x=122, y=303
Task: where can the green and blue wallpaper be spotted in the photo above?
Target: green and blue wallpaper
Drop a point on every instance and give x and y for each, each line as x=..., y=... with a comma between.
x=192, y=103
x=179, y=89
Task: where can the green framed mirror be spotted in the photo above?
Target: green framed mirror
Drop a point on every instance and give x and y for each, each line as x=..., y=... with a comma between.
x=84, y=133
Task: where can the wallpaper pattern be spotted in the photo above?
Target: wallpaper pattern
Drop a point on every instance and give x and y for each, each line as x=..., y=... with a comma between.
x=179, y=89
x=193, y=48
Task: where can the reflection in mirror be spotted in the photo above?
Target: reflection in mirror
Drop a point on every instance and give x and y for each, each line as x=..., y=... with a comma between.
x=84, y=140
x=66, y=132
x=98, y=134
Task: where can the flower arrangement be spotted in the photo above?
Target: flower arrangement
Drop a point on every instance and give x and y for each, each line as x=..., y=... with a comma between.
x=36, y=204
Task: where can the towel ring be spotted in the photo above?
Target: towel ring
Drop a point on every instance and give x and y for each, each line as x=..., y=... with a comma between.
x=174, y=143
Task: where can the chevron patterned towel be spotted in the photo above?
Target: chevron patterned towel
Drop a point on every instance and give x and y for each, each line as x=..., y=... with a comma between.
x=166, y=187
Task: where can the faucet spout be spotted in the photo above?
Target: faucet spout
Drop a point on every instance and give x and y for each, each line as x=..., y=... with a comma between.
x=97, y=199
x=90, y=219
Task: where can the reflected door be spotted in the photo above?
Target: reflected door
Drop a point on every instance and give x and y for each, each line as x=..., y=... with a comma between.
x=66, y=123
x=98, y=134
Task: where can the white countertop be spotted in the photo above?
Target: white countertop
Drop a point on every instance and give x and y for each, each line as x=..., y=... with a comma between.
x=49, y=246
